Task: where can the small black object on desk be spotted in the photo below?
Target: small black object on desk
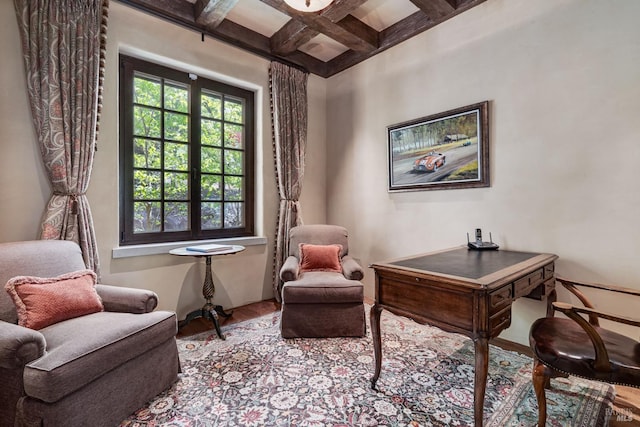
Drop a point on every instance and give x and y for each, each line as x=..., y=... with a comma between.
x=479, y=245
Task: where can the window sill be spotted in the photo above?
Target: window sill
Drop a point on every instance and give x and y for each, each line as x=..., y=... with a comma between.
x=164, y=248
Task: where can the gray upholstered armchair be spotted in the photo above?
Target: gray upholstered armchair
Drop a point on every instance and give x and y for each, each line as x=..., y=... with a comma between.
x=95, y=369
x=322, y=295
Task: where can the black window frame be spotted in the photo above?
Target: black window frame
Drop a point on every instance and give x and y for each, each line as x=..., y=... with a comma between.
x=129, y=66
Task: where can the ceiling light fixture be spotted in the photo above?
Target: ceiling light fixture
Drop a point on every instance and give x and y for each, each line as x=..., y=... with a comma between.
x=308, y=5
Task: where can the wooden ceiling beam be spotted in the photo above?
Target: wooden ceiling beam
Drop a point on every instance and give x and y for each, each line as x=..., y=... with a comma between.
x=290, y=37
x=410, y=26
x=296, y=33
x=211, y=13
x=335, y=21
x=435, y=9
x=361, y=30
x=181, y=12
x=356, y=36
x=390, y=36
x=405, y=29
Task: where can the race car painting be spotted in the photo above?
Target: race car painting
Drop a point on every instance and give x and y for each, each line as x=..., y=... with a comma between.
x=429, y=163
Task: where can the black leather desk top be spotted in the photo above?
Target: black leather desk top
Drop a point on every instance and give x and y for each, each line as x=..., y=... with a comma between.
x=465, y=263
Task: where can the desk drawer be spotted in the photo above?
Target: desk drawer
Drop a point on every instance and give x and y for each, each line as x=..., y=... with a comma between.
x=524, y=286
x=500, y=298
x=549, y=270
x=439, y=306
x=499, y=321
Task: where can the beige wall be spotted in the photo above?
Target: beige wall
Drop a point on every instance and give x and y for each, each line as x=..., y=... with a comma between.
x=240, y=279
x=563, y=81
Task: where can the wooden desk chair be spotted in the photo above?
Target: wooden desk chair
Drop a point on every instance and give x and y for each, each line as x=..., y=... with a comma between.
x=578, y=347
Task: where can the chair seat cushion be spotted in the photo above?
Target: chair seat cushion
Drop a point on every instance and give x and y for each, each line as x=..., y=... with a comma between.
x=76, y=354
x=563, y=345
x=321, y=287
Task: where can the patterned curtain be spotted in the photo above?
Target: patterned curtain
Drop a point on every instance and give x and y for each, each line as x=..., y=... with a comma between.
x=63, y=44
x=288, y=87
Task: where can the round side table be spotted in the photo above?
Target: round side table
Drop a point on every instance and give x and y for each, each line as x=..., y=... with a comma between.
x=209, y=310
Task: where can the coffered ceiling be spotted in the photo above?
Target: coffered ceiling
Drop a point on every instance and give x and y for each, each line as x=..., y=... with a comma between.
x=324, y=43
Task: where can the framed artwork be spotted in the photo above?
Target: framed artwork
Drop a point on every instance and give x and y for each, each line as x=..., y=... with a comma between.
x=443, y=151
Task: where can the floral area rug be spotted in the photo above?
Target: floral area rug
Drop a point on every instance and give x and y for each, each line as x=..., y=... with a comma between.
x=257, y=378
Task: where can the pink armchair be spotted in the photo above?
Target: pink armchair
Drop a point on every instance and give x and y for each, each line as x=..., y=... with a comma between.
x=322, y=303
x=92, y=370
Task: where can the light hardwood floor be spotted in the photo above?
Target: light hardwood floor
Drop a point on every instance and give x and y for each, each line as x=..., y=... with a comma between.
x=626, y=405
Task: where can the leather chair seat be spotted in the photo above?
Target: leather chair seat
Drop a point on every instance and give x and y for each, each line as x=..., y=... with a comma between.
x=565, y=346
x=577, y=345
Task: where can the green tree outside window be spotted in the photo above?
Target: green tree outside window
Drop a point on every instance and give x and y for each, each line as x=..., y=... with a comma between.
x=188, y=156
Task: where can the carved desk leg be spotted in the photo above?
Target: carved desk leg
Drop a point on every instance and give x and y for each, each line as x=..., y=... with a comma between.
x=480, y=384
x=377, y=342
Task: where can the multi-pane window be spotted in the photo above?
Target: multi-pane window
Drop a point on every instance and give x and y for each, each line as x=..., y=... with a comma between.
x=186, y=156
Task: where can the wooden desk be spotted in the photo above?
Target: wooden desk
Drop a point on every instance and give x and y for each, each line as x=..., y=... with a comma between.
x=463, y=291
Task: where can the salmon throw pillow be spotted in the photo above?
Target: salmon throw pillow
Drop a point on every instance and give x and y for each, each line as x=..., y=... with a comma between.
x=320, y=258
x=41, y=302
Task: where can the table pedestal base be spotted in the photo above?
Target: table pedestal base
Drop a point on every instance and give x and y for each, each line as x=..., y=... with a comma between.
x=209, y=312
